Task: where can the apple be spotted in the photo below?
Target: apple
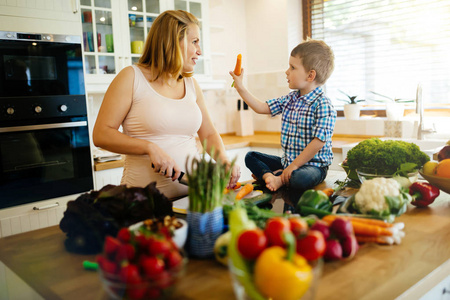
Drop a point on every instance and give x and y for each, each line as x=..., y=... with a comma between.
x=444, y=153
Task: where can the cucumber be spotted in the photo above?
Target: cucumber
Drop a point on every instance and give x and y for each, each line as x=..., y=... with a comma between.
x=260, y=199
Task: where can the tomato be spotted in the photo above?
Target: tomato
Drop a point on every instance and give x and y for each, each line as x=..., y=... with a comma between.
x=298, y=226
x=251, y=243
x=312, y=246
x=275, y=228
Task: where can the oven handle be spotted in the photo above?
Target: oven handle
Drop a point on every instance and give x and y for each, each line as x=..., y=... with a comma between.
x=43, y=126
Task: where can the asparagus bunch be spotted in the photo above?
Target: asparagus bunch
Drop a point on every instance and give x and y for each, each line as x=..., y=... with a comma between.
x=208, y=179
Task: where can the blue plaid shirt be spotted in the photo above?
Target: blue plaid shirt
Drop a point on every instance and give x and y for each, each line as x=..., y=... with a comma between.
x=304, y=118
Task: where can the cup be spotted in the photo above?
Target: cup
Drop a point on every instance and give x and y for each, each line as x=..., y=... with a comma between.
x=109, y=42
x=137, y=47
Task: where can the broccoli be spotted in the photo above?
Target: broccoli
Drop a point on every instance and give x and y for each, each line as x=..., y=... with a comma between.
x=386, y=157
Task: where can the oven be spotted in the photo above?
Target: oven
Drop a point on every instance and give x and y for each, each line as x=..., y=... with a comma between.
x=44, y=136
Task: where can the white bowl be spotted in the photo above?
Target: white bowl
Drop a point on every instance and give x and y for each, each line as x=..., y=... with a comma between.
x=180, y=234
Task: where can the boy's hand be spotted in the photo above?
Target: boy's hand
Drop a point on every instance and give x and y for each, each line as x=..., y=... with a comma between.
x=237, y=79
x=287, y=173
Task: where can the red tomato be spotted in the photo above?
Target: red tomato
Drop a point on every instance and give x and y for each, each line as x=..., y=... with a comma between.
x=298, y=226
x=312, y=246
x=251, y=243
x=275, y=228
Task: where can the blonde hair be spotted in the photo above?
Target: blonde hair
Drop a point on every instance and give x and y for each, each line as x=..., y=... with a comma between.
x=317, y=56
x=162, y=52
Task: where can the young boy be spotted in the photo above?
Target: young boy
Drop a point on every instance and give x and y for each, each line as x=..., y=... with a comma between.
x=307, y=121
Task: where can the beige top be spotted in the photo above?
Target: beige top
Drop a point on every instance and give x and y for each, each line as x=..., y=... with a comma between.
x=170, y=123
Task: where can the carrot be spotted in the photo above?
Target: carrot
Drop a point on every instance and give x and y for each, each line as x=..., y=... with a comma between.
x=361, y=228
x=328, y=191
x=244, y=191
x=237, y=68
x=384, y=240
x=227, y=190
x=361, y=220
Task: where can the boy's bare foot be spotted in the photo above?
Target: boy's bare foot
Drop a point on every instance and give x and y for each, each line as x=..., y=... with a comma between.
x=273, y=182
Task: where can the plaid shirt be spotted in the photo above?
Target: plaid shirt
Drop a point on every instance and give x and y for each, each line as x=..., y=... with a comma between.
x=304, y=118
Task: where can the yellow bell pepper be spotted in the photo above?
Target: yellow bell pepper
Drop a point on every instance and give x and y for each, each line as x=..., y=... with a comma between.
x=281, y=274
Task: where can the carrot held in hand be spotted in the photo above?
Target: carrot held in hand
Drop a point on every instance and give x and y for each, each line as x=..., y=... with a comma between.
x=237, y=69
x=244, y=191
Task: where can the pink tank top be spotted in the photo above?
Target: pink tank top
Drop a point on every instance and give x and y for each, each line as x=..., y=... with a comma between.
x=170, y=123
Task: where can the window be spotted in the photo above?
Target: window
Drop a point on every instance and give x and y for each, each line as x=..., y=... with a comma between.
x=384, y=46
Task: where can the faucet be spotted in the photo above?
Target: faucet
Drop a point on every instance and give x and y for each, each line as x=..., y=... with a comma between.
x=420, y=110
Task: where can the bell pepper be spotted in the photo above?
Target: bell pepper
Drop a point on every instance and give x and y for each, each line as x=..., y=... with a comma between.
x=423, y=193
x=317, y=200
x=282, y=274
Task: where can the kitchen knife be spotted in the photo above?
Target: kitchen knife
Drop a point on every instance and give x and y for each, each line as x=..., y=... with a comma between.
x=183, y=179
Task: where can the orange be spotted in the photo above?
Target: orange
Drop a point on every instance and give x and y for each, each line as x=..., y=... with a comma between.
x=443, y=168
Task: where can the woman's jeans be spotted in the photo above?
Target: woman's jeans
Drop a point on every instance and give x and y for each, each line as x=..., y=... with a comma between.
x=302, y=179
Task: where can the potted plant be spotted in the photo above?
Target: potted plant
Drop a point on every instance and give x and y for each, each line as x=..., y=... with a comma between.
x=395, y=108
x=207, y=179
x=351, y=108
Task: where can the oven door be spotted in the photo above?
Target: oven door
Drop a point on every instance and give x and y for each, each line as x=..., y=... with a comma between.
x=39, y=162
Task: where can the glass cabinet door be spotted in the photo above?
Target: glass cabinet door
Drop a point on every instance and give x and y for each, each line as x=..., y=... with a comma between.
x=141, y=14
x=194, y=8
x=98, y=39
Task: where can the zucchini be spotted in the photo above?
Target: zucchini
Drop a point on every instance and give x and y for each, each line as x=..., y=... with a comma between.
x=259, y=200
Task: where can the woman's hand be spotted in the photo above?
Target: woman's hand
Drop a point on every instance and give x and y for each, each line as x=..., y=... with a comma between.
x=235, y=175
x=162, y=163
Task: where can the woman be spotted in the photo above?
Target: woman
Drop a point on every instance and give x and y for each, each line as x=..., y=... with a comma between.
x=160, y=107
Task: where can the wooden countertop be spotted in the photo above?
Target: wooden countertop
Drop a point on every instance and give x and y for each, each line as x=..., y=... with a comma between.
x=259, y=139
x=408, y=270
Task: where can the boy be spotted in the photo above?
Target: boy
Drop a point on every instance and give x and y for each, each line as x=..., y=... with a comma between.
x=307, y=121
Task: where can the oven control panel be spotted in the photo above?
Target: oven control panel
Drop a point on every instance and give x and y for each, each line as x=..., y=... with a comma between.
x=39, y=37
x=12, y=109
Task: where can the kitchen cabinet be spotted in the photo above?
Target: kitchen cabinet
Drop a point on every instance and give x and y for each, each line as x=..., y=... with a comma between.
x=114, y=34
x=105, y=177
x=40, y=16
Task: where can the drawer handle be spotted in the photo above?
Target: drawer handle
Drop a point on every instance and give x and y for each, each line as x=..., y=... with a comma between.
x=46, y=206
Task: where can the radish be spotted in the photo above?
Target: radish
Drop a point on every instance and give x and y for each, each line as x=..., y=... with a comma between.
x=322, y=227
x=333, y=250
x=341, y=228
x=349, y=246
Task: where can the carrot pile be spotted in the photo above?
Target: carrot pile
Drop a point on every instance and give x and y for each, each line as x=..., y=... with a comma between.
x=372, y=230
x=244, y=191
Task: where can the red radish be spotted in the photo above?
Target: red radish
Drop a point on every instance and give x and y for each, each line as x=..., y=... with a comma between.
x=341, y=228
x=349, y=246
x=333, y=250
x=322, y=227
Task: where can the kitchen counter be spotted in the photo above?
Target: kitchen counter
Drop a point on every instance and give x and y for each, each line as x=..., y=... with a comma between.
x=408, y=270
x=259, y=139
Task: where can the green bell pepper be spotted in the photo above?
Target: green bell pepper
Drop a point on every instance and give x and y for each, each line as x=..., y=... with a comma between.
x=314, y=199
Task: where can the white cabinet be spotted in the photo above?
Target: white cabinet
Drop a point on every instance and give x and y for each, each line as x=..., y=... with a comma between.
x=40, y=16
x=105, y=177
x=114, y=34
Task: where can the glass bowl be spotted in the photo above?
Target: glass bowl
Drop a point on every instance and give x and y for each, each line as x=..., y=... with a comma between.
x=441, y=182
x=367, y=173
x=239, y=290
x=160, y=288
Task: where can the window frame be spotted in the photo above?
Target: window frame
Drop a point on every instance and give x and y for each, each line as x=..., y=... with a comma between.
x=368, y=110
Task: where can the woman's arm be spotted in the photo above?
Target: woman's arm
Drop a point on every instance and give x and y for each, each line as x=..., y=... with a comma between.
x=114, y=109
x=209, y=133
x=257, y=105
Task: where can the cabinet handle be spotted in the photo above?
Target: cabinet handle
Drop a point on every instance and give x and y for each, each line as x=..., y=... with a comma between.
x=46, y=206
x=75, y=7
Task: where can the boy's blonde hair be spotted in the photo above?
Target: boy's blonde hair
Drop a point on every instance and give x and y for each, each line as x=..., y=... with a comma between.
x=317, y=56
x=162, y=52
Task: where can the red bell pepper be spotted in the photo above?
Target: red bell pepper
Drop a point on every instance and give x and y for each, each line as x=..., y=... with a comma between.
x=423, y=193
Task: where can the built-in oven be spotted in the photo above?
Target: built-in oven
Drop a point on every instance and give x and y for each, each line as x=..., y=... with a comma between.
x=44, y=136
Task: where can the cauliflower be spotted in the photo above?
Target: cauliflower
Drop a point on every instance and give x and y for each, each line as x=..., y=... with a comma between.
x=371, y=197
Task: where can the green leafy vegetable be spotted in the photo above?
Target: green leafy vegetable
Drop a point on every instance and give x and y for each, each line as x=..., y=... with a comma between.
x=386, y=157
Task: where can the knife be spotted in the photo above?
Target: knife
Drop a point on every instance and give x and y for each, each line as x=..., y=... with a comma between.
x=181, y=179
